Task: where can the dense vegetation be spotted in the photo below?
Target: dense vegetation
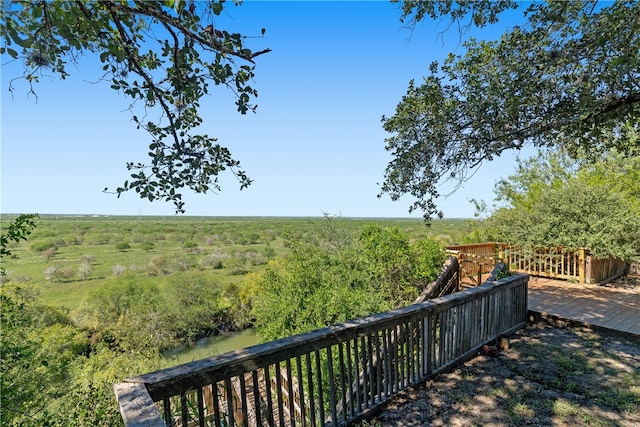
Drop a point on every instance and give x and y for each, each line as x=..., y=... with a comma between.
x=555, y=200
x=318, y=284
x=80, y=311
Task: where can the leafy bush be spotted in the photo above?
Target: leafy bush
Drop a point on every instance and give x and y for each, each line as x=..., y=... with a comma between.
x=252, y=238
x=242, y=294
x=269, y=252
x=236, y=265
x=147, y=246
x=143, y=314
x=429, y=256
x=190, y=244
x=49, y=375
x=38, y=345
x=39, y=246
x=122, y=246
x=316, y=284
x=196, y=307
x=126, y=309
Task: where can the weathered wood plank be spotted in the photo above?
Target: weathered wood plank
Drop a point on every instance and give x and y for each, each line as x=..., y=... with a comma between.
x=597, y=306
x=136, y=407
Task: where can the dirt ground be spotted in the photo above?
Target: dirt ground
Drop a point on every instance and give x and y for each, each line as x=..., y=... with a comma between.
x=549, y=376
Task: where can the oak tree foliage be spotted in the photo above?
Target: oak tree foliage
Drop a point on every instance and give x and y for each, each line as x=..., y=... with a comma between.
x=163, y=56
x=568, y=78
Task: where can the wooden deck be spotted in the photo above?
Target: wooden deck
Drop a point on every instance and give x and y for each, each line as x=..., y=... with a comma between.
x=613, y=309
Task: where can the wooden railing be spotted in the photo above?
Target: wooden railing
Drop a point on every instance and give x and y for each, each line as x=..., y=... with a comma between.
x=408, y=344
x=558, y=263
x=475, y=260
x=485, y=249
x=447, y=282
x=604, y=270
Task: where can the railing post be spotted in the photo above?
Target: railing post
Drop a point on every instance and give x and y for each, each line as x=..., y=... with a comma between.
x=589, y=274
x=582, y=262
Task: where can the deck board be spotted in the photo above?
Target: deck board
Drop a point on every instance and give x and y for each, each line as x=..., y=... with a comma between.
x=593, y=305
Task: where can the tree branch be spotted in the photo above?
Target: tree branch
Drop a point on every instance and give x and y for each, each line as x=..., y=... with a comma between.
x=140, y=71
x=211, y=42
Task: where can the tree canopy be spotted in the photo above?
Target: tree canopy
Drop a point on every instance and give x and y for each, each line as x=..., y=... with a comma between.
x=568, y=78
x=553, y=200
x=163, y=56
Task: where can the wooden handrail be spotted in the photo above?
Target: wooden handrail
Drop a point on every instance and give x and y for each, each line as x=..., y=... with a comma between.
x=447, y=282
x=554, y=262
x=410, y=344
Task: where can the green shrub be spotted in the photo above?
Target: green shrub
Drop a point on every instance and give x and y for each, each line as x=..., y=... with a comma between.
x=122, y=246
x=197, y=307
x=318, y=283
x=190, y=244
x=147, y=246
x=236, y=266
x=252, y=238
x=159, y=265
x=39, y=246
x=269, y=252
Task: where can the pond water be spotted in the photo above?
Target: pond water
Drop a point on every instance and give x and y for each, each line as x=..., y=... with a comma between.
x=212, y=346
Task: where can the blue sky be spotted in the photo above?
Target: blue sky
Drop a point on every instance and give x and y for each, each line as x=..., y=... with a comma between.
x=315, y=145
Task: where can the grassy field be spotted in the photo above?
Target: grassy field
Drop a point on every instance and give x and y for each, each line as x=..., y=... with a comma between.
x=68, y=256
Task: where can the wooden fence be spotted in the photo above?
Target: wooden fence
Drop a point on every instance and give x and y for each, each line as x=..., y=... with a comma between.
x=339, y=375
x=604, y=270
x=557, y=263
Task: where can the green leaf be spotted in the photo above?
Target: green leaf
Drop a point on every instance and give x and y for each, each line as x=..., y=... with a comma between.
x=9, y=51
x=13, y=35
